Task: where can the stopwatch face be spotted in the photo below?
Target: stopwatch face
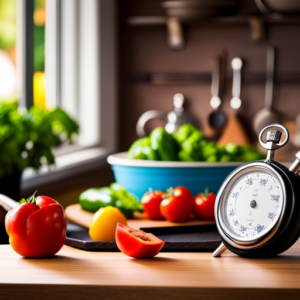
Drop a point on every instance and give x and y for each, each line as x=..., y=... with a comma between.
x=252, y=204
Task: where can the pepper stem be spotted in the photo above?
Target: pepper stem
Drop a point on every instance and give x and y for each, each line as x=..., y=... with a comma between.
x=31, y=199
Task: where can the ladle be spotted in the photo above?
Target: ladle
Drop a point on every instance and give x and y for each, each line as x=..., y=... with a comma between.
x=267, y=115
x=216, y=118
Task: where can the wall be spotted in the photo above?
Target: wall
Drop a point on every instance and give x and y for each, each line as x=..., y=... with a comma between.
x=144, y=49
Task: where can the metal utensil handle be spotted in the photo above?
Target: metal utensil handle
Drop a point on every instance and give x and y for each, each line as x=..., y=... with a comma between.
x=7, y=203
x=271, y=145
x=270, y=77
x=145, y=117
x=215, y=85
x=236, y=86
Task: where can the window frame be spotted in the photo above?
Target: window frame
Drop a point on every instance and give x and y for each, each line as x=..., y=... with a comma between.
x=74, y=160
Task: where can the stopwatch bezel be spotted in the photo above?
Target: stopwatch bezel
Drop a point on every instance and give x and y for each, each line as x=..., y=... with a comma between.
x=222, y=228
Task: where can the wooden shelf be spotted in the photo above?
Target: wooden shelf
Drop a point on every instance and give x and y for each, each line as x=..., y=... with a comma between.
x=175, y=33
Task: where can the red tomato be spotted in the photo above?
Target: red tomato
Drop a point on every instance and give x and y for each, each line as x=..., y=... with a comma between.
x=137, y=243
x=151, y=202
x=205, y=205
x=36, y=228
x=178, y=205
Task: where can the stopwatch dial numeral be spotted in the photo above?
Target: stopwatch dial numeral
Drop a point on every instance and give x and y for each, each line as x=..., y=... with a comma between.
x=252, y=204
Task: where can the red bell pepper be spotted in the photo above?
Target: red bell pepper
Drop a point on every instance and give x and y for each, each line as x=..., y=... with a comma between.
x=36, y=227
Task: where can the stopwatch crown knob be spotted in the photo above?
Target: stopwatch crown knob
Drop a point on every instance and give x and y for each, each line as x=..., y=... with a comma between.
x=273, y=140
x=273, y=136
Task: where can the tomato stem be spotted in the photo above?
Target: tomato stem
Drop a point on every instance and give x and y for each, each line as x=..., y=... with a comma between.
x=170, y=191
x=206, y=192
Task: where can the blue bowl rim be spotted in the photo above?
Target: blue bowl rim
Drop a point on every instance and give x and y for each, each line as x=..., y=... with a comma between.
x=121, y=159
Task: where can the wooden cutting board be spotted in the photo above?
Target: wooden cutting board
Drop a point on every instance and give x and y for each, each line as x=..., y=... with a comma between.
x=81, y=217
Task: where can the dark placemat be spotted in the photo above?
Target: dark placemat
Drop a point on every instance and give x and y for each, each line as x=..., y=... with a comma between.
x=202, y=238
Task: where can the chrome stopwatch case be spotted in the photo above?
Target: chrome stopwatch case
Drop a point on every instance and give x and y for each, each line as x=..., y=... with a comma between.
x=257, y=208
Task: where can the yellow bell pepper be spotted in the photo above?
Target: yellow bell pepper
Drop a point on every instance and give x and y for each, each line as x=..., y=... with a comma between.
x=104, y=224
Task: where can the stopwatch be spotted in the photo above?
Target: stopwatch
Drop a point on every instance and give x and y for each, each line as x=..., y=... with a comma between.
x=257, y=208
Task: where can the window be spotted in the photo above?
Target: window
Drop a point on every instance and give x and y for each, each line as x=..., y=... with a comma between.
x=74, y=68
x=8, y=25
x=80, y=49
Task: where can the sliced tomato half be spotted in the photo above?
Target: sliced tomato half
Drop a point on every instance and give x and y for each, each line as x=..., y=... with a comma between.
x=137, y=243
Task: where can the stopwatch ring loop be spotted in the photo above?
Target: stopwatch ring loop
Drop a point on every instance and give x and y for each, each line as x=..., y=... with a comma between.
x=274, y=146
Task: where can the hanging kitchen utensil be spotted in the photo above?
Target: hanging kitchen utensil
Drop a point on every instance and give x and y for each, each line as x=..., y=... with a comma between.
x=216, y=119
x=174, y=119
x=257, y=208
x=267, y=115
x=236, y=101
x=234, y=131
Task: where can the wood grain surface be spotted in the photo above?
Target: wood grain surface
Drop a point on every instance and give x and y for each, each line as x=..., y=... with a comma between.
x=77, y=274
x=81, y=217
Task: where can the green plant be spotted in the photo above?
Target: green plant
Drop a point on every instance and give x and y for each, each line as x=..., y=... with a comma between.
x=27, y=137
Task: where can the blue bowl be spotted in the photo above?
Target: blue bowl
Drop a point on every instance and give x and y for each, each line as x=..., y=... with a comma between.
x=140, y=175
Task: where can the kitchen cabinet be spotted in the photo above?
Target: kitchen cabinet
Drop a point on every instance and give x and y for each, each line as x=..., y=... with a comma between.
x=77, y=274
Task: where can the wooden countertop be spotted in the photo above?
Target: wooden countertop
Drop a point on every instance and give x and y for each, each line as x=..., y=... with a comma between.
x=77, y=274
